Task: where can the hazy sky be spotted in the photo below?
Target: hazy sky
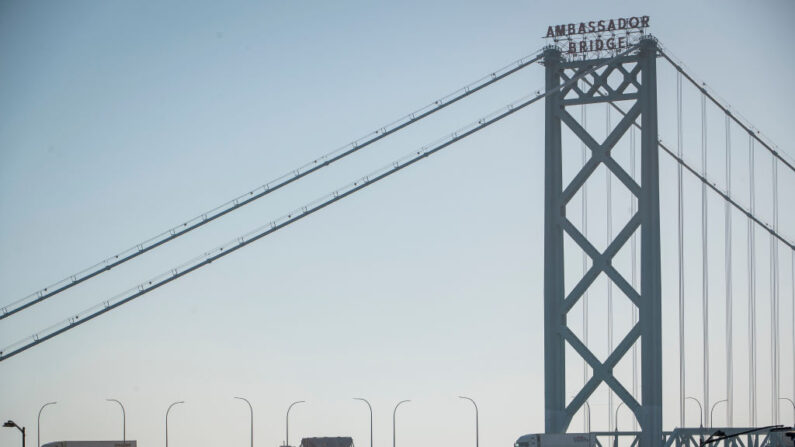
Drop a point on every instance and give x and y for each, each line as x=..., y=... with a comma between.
x=121, y=119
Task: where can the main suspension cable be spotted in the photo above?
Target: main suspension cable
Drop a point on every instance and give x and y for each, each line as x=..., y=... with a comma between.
x=259, y=192
x=735, y=116
x=277, y=224
x=712, y=185
x=258, y=233
x=747, y=212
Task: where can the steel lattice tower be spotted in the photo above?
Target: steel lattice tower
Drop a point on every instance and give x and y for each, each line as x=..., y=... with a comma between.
x=638, y=88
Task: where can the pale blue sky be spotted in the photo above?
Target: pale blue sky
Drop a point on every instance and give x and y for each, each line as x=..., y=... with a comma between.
x=121, y=119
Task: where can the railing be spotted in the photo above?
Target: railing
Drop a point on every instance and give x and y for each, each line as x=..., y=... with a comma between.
x=696, y=437
x=611, y=438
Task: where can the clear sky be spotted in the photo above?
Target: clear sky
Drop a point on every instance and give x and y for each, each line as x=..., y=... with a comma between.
x=121, y=119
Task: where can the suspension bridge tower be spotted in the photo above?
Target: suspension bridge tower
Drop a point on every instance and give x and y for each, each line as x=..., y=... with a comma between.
x=636, y=68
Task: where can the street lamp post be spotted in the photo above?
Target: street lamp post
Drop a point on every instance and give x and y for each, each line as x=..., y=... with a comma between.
x=123, y=421
x=616, y=416
x=287, y=429
x=38, y=423
x=371, y=417
x=477, y=424
x=788, y=400
x=588, y=406
x=588, y=415
x=615, y=438
x=700, y=411
x=169, y=409
x=10, y=424
x=251, y=411
x=700, y=417
x=713, y=409
x=394, y=412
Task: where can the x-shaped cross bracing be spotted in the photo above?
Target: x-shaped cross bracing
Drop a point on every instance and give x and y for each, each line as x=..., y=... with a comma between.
x=601, y=262
x=600, y=80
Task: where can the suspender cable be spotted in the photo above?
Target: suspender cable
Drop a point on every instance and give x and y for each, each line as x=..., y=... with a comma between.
x=609, y=215
x=751, y=293
x=729, y=317
x=275, y=225
x=774, y=305
x=711, y=185
x=680, y=247
x=755, y=134
x=584, y=211
x=634, y=249
x=704, y=259
x=752, y=220
x=265, y=189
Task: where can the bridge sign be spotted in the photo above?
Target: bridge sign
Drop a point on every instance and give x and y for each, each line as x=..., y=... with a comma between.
x=598, y=36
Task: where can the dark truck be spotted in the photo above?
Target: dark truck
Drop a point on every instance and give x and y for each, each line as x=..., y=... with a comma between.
x=327, y=442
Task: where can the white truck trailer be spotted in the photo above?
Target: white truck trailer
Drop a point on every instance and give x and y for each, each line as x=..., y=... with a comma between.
x=557, y=440
x=91, y=444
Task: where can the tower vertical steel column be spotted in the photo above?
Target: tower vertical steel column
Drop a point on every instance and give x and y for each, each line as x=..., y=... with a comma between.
x=554, y=318
x=651, y=282
x=637, y=87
